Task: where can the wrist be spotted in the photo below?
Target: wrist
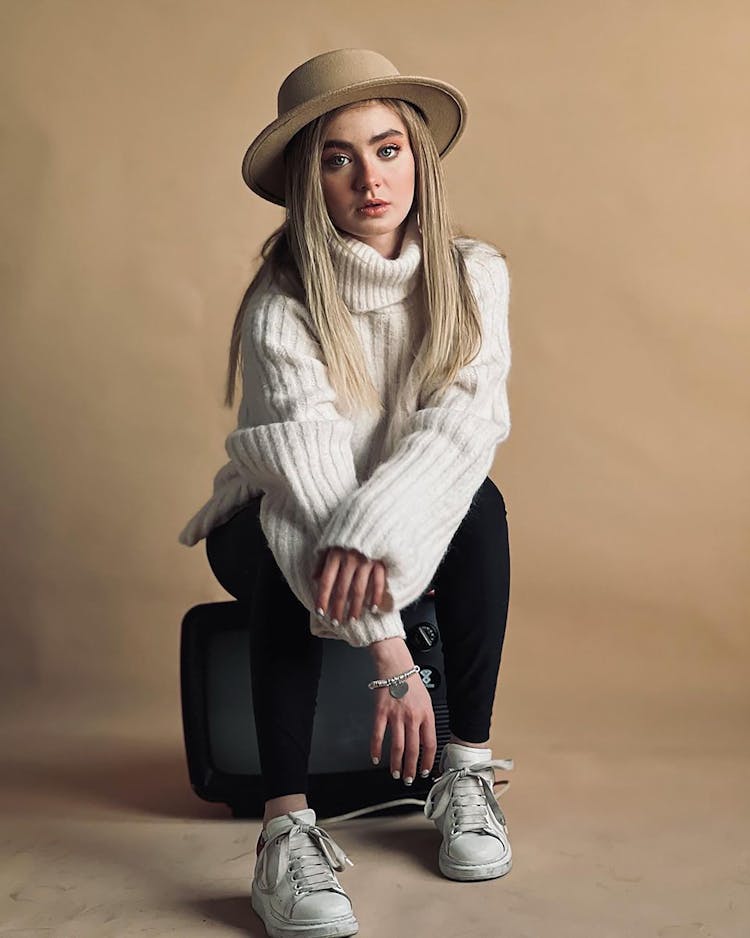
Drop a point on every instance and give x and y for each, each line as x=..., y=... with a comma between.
x=391, y=653
x=394, y=680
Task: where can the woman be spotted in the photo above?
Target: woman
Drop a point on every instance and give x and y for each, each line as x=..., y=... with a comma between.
x=375, y=352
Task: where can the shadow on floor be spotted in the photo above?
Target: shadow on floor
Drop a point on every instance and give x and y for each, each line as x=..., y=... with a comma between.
x=231, y=911
x=132, y=778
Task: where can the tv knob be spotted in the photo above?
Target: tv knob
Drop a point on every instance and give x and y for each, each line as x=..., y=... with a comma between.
x=424, y=637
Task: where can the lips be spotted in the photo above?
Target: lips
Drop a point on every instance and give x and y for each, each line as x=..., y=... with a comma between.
x=374, y=203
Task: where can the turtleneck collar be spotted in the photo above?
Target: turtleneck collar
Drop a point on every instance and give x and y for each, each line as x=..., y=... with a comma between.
x=368, y=281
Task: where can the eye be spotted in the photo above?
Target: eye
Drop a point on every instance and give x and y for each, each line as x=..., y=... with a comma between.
x=329, y=161
x=332, y=164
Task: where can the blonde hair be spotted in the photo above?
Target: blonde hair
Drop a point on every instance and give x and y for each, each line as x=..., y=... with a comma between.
x=297, y=255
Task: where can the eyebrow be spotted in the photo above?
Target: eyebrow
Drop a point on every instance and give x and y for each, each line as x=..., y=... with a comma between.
x=345, y=145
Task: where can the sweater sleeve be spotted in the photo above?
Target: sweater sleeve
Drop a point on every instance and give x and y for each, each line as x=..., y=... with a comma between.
x=407, y=512
x=297, y=449
x=230, y=492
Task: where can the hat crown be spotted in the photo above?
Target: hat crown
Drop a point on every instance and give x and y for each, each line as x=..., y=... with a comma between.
x=329, y=72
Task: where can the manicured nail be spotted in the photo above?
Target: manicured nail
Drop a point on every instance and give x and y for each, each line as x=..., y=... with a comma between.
x=374, y=607
x=375, y=760
x=396, y=774
x=352, y=620
x=320, y=611
x=408, y=781
x=334, y=622
x=424, y=773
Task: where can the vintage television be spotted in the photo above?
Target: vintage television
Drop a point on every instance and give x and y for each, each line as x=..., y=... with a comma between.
x=219, y=729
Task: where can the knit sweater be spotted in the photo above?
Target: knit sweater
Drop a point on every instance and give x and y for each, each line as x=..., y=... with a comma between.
x=394, y=487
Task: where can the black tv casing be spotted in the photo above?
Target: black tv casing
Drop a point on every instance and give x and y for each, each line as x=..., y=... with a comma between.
x=219, y=728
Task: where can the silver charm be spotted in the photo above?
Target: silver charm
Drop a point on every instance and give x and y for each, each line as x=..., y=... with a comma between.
x=398, y=690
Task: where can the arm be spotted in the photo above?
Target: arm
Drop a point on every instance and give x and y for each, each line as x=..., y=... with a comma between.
x=407, y=512
x=297, y=449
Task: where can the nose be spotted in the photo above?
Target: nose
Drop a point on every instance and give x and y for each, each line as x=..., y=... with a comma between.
x=367, y=176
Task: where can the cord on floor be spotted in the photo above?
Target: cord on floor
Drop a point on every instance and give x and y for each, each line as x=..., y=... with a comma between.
x=361, y=812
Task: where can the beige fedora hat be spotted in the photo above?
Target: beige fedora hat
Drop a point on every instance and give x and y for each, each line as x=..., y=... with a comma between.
x=332, y=79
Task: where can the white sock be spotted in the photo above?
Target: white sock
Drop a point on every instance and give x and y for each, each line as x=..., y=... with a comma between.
x=459, y=754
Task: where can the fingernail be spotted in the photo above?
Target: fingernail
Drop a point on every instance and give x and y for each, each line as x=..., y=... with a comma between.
x=374, y=607
x=375, y=760
x=396, y=774
x=320, y=611
x=424, y=773
x=352, y=620
x=408, y=781
x=334, y=621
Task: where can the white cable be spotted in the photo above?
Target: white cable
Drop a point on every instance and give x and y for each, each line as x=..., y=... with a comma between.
x=359, y=812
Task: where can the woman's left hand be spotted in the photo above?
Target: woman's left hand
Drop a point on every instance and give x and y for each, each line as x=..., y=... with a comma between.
x=347, y=577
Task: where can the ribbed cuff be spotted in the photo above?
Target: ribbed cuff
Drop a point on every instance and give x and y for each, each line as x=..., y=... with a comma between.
x=370, y=627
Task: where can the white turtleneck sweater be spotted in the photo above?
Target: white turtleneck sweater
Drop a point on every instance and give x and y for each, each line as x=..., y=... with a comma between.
x=394, y=488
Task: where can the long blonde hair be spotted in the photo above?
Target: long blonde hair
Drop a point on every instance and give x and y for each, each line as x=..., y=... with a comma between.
x=297, y=255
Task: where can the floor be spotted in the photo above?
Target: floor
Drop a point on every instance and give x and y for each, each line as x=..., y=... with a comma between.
x=628, y=817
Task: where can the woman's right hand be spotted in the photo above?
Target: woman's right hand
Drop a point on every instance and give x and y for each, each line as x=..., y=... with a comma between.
x=411, y=720
x=348, y=580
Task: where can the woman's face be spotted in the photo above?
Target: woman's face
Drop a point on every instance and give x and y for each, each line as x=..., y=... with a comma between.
x=366, y=155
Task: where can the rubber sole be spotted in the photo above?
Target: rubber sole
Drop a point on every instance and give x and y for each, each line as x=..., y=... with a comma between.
x=465, y=873
x=278, y=928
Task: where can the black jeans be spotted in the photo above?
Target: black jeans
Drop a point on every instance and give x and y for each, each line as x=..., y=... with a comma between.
x=472, y=587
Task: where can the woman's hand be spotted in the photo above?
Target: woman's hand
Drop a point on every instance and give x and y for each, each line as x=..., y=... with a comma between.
x=411, y=720
x=347, y=577
x=411, y=717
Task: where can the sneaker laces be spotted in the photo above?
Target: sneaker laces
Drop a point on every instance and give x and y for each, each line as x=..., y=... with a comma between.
x=468, y=793
x=309, y=853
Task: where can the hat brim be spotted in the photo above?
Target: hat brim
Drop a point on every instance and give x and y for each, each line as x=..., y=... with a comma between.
x=444, y=106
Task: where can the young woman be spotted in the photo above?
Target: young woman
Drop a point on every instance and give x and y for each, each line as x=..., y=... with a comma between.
x=374, y=348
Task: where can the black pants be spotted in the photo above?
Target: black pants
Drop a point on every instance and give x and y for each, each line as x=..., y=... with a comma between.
x=472, y=586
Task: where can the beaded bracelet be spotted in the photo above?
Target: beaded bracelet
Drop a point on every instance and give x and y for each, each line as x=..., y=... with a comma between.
x=397, y=686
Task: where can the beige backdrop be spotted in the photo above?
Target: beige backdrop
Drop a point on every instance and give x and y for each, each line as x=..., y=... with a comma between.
x=606, y=154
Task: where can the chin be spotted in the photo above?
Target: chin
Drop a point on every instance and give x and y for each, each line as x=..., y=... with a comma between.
x=378, y=225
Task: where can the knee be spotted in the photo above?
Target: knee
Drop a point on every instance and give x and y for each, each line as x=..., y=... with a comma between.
x=222, y=561
x=232, y=551
x=491, y=499
x=486, y=515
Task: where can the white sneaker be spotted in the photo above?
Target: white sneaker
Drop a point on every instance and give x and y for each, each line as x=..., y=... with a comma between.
x=295, y=890
x=463, y=806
